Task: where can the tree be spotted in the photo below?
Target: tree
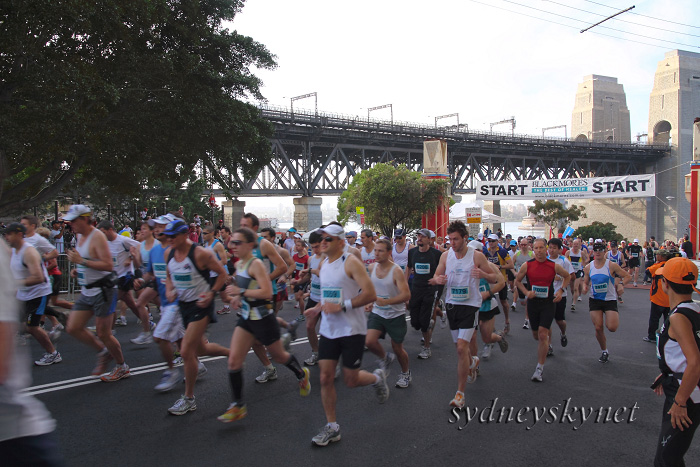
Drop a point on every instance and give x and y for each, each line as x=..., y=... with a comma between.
x=598, y=230
x=392, y=197
x=554, y=214
x=126, y=94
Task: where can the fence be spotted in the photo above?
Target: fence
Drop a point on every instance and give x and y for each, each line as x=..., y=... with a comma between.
x=68, y=285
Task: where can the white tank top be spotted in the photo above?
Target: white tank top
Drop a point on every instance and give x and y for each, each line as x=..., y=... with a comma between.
x=367, y=258
x=20, y=271
x=401, y=259
x=461, y=288
x=88, y=275
x=211, y=247
x=119, y=248
x=336, y=287
x=187, y=280
x=385, y=288
x=315, y=290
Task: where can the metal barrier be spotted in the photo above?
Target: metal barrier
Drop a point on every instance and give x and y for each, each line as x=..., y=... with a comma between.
x=68, y=285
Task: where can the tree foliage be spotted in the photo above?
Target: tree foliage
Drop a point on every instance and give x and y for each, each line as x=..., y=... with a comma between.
x=392, y=197
x=555, y=215
x=598, y=230
x=125, y=94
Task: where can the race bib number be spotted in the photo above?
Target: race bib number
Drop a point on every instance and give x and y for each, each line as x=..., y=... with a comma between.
x=81, y=275
x=299, y=266
x=540, y=291
x=600, y=288
x=114, y=261
x=635, y=255
x=332, y=295
x=182, y=281
x=316, y=287
x=159, y=270
x=403, y=268
x=459, y=294
x=422, y=268
x=482, y=288
x=245, y=310
x=576, y=265
x=382, y=307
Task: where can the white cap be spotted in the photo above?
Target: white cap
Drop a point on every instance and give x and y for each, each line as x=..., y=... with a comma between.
x=432, y=234
x=590, y=239
x=297, y=236
x=598, y=240
x=480, y=236
x=162, y=220
x=334, y=230
x=636, y=240
x=493, y=237
x=76, y=211
x=476, y=244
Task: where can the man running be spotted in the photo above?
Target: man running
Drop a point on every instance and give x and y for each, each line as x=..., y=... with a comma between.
x=211, y=242
x=367, y=250
x=554, y=247
x=499, y=256
x=97, y=294
x=463, y=299
x=522, y=256
x=314, y=295
x=345, y=290
x=600, y=275
x=578, y=258
x=541, y=298
x=388, y=313
x=635, y=253
x=399, y=252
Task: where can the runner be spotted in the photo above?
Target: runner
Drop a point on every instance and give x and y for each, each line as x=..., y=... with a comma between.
x=388, y=313
x=252, y=293
x=600, y=275
x=422, y=263
x=499, y=256
x=578, y=259
x=33, y=289
x=554, y=247
x=345, y=290
x=617, y=257
x=523, y=255
x=399, y=252
x=635, y=253
x=462, y=299
x=97, y=294
x=367, y=250
x=679, y=360
x=541, y=299
x=659, y=300
x=314, y=295
x=300, y=261
x=211, y=242
x=188, y=267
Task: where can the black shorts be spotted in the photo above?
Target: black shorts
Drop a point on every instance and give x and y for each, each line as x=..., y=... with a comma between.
x=605, y=305
x=55, y=285
x=461, y=316
x=528, y=287
x=350, y=348
x=503, y=294
x=633, y=263
x=299, y=288
x=540, y=311
x=265, y=330
x=125, y=283
x=421, y=307
x=672, y=442
x=310, y=303
x=488, y=315
x=191, y=312
x=510, y=275
x=560, y=310
x=34, y=310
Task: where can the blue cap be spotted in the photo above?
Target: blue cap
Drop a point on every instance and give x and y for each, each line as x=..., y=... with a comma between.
x=176, y=227
x=513, y=243
x=352, y=233
x=399, y=233
x=293, y=230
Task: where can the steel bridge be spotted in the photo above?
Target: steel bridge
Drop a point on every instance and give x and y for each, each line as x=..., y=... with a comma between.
x=318, y=154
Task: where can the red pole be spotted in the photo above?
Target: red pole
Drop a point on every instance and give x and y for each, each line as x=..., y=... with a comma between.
x=695, y=205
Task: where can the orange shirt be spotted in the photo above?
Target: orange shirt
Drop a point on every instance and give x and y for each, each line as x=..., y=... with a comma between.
x=656, y=294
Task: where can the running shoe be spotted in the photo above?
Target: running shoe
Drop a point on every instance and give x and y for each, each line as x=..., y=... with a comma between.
x=474, y=370
x=512, y=307
x=103, y=359
x=301, y=318
x=293, y=330
x=49, y=359
x=305, y=384
x=312, y=360
x=177, y=361
x=649, y=339
x=381, y=387
x=425, y=353
x=506, y=328
x=287, y=341
x=573, y=307
x=604, y=357
x=635, y=284
x=580, y=299
x=458, y=400
x=233, y=413
x=224, y=311
x=325, y=436
x=619, y=299
x=119, y=372
x=404, y=379
x=564, y=340
x=537, y=375
x=143, y=338
x=120, y=321
x=267, y=375
x=385, y=363
x=486, y=351
x=550, y=351
x=503, y=343
x=183, y=405
x=168, y=381
x=526, y=325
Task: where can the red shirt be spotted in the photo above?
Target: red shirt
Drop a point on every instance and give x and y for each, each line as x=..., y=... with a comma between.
x=541, y=274
x=300, y=263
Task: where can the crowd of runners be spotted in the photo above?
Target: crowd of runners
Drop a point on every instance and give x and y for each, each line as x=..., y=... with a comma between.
x=351, y=291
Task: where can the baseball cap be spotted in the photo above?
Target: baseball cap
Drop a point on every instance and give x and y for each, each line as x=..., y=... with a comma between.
x=476, y=244
x=613, y=243
x=161, y=220
x=680, y=271
x=15, y=227
x=432, y=234
x=493, y=237
x=176, y=227
x=636, y=240
x=76, y=211
x=590, y=239
x=399, y=233
x=480, y=236
x=352, y=233
x=293, y=230
x=331, y=229
x=297, y=236
x=513, y=243
x=599, y=247
x=424, y=232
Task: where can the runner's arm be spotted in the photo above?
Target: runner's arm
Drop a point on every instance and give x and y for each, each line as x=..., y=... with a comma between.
x=402, y=284
x=519, y=279
x=681, y=330
x=356, y=270
x=439, y=278
x=33, y=262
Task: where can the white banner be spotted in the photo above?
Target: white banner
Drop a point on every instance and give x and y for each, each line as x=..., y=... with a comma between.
x=628, y=186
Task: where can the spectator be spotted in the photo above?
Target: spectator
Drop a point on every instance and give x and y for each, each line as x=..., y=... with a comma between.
x=687, y=246
x=57, y=228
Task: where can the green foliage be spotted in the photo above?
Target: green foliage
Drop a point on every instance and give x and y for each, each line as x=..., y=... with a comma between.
x=598, y=230
x=392, y=197
x=554, y=214
x=125, y=94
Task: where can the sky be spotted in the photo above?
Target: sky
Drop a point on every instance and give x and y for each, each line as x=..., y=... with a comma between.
x=487, y=60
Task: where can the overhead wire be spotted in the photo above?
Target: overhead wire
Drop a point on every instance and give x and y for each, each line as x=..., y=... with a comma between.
x=646, y=16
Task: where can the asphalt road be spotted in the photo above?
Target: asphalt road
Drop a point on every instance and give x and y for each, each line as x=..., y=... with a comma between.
x=127, y=423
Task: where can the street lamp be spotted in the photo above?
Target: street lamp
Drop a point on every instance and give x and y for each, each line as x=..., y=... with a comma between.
x=370, y=109
x=304, y=96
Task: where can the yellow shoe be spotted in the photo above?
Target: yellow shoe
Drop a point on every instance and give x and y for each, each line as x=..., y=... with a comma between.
x=234, y=412
x=305, y=384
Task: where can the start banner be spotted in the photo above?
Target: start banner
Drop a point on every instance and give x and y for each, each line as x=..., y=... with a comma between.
x=627, y=186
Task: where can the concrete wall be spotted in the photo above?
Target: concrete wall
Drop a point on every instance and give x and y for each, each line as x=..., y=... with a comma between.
x=627, y=214
x=600, y=110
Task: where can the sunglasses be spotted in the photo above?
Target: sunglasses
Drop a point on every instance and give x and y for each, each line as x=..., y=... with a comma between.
x=236, y=242
x=327, y=239
x=493, y=241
